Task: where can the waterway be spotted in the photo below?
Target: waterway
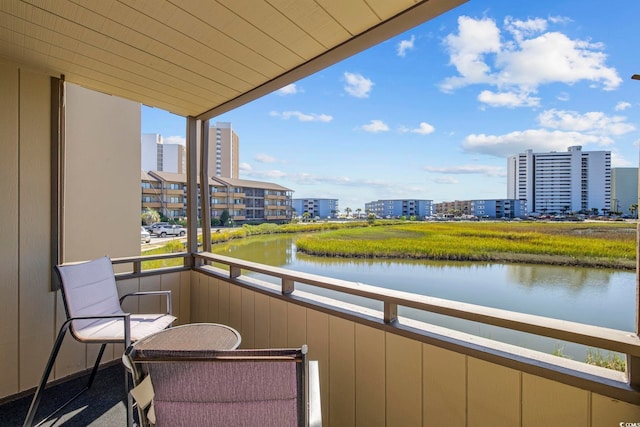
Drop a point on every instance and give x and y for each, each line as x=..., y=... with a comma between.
x=599, y=297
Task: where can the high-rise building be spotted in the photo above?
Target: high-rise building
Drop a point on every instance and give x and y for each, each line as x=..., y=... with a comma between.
x=556, y=182
x=158, y=156
x=624, y=191
x=224, y=151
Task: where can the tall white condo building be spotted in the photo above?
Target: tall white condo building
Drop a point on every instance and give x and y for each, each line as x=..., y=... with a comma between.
x=560, y=182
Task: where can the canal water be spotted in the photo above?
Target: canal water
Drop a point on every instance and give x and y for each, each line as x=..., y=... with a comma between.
x=599, y=297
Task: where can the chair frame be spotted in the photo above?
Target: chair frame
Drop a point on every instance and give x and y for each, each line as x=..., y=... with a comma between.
x=310, y=388
x=68, y=326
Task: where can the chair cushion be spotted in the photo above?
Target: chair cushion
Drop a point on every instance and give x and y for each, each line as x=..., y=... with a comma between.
x=113, y=330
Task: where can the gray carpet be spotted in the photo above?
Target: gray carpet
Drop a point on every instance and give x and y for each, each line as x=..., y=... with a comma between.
x=102, y=405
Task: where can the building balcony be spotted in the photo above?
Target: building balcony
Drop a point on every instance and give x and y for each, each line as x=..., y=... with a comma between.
x=376, y=367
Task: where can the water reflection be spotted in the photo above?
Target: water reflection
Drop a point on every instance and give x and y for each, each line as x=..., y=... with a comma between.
x=586, y=295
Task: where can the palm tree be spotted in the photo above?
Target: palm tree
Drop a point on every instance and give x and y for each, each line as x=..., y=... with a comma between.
x=348, y=211
x=633, y=209
x=358, y=212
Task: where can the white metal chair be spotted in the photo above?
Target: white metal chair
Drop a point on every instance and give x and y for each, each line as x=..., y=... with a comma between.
x=94, y=315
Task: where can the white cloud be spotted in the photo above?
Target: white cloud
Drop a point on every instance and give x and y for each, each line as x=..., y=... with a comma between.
x=424, y=129
x=521, y=58
x=175, y=140
x=290, y=89
x=622, y=105
x=357, y=85
x=245, y=167
x=375, y=126
x=468, y=169
x=405, y=45
x=508, y=99
x=446, y=180
x=303, y=117
x=539, y=140
x=593, y=122
x=264, y=158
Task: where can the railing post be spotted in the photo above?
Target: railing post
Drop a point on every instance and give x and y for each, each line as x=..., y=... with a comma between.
x=234, y=271
x=390, y=312
x=287, y=286
x=633, y=371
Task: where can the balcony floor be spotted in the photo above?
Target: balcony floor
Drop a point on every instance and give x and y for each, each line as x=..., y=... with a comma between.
x=102, y=405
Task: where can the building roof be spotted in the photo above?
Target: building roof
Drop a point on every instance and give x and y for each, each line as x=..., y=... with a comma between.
x=198, y=58
x=234, y=182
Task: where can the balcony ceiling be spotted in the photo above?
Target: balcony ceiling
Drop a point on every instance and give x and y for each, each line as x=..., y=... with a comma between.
x=198, y=58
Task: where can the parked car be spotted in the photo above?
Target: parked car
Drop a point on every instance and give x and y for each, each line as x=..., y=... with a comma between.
x=145, y=236
x=169, y=230
x=149, y=228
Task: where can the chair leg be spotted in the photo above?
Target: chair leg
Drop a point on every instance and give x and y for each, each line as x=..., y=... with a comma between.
x=45, y=376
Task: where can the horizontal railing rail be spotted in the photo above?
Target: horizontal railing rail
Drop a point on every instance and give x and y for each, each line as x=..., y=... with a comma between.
x=625, y=342
x=136, y=263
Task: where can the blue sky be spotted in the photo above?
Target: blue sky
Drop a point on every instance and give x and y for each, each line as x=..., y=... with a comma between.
x=434, y=112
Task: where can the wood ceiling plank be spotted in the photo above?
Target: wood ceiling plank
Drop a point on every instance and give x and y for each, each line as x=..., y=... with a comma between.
x=209, y=65
x=313, y=20
x=277, y=26
x=355, y=16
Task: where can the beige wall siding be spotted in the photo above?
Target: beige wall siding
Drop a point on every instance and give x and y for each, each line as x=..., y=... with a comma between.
x=370, y=377
x=102, y=181
x=9, y=228
x=103, y=132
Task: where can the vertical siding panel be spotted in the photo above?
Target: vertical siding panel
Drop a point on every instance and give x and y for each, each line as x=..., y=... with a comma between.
x=296, y=325
x=444, y=387
x=212, y=287
x=278, y=323
x=341, y=372
x=235, y=307
x=318, y=341
x=36, y=300
x=170, y=282
x=546, y=402
x=185, y=297
x=150, y=304
x=404, y=381
x=262, y=323
x=606, y=411
x=194, y=301
x=223, y=302
x=370, y=376
x=493, y=395
x=248, y=331
x=9, y=268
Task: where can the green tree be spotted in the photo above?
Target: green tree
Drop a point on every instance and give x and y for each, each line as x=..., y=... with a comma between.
x=347, y=211
x=633, y=209
x=149, y=216
x=305, y=216
x=224, y=217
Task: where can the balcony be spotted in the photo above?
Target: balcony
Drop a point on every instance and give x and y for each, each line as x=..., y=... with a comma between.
x=378, y=368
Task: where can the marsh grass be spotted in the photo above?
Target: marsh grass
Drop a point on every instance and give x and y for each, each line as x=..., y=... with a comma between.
x=592, y=244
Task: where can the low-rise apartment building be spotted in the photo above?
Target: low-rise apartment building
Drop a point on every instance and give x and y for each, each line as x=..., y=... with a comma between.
x=245, y=200
x=399, y=208
x=321, y=208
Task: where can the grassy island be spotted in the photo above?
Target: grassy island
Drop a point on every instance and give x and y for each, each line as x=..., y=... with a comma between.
x=606, y=245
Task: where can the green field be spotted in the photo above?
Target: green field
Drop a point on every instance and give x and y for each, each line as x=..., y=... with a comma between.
x=611, y=245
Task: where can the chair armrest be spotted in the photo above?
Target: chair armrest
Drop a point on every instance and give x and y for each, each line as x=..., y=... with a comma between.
x=167, y=294
x=315, y=407
x=126, y=325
